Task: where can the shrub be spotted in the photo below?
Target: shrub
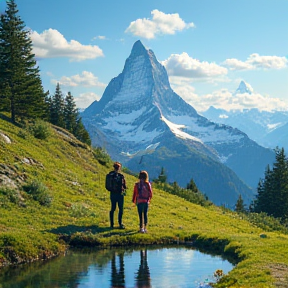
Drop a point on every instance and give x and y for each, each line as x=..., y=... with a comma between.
x=266, y=222
x=11, y=194
x=23, y=134
x=39, y=192
x=175, y=189
x=40, y=129
x=101, y=155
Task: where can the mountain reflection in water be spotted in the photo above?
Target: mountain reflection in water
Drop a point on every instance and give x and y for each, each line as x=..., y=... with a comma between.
x=176, y=267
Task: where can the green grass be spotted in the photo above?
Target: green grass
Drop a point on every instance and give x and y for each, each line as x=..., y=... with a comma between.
x=70, y=176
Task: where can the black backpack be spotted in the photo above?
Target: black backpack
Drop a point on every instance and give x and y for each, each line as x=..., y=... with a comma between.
x=114, y=182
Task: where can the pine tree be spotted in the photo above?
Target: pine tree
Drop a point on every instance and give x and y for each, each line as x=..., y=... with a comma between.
x=63, y=113
x=81, y=133
x=272, y=196
x=240, y=207
x=20, y=84
x=192, y=186
x=71, y=113
x=57, y=108
x=264, y=199
x=280, y=184
x=48, y=106
x=73, y=121
x=162, y=178
x=176, y=188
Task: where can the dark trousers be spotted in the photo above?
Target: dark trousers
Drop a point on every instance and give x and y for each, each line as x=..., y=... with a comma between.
x=142, y=212
x=116, y=198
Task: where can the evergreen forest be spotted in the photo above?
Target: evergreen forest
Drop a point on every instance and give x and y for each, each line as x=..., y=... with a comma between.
x=21, y=91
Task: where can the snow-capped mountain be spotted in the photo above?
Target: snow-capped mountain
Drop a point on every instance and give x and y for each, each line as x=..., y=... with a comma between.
x=142, y=122
x=277, y=136
x=269, y=129
x=244, y=88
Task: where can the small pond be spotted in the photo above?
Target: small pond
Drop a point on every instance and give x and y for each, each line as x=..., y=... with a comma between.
x=171, y=267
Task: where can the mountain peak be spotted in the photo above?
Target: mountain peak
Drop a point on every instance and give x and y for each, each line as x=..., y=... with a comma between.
x=140, y=110
x=244, y=88
x=138, y=49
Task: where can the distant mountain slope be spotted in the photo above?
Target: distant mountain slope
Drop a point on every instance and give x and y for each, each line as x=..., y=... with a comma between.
x=182, y=162
x=277, y=136
x=269, y=129
x=139, y=109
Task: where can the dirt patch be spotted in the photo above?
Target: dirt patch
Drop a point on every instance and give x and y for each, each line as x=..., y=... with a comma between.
x=280, y=274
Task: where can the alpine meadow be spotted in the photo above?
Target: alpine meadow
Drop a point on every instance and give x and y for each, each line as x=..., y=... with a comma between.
x=54, y=160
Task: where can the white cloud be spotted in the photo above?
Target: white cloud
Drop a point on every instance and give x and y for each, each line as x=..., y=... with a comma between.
x=182, y=65
x=86, y=79
x=268, y=62
x=224, y=99
x=255, y=61
x=160, y=24
x=52, y=44
x=86, y=99
x=235, y=64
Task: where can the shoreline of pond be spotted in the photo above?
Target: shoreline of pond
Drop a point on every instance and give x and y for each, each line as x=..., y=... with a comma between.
x=82, y=264
x=209, y=245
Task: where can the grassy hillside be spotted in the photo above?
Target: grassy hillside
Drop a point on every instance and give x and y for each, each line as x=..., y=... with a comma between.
x=52, y=195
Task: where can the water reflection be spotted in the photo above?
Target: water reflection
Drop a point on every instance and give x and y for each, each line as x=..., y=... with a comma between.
x=117, y=272
x=143, y=273
x=114, y=268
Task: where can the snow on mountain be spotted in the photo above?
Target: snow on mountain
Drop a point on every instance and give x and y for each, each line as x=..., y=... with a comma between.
x=277, y=136
x=176, y=129
x=244, y=88
x=260, y=126
x=206, y=131
x=139, y=108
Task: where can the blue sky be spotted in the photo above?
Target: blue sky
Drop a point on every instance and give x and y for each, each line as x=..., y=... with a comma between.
x=207, y=46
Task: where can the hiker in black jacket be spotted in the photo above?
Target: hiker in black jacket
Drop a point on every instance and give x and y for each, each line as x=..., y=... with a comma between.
x=115, y=183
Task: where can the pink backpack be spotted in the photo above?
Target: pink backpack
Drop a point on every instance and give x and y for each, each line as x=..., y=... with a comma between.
x=143, y=191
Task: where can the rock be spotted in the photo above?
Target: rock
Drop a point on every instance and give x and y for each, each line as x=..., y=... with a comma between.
x=5, y=138
x=8, y=182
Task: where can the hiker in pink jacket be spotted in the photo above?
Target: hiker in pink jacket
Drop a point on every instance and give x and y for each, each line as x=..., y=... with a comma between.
x=141, y=196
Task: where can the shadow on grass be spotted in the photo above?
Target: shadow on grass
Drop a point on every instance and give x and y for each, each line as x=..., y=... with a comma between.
x=94, y=229
x=86, y=236
x=4, y=117
x=71, y=229
x=8, y=119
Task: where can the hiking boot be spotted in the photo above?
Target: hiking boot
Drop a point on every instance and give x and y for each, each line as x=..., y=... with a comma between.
x=141, y=230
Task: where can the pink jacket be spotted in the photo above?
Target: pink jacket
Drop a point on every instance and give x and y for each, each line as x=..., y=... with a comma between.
x=136, y=199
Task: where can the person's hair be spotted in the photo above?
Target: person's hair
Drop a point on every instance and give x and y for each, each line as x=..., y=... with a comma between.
x=143, y=175
x=117, y=165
